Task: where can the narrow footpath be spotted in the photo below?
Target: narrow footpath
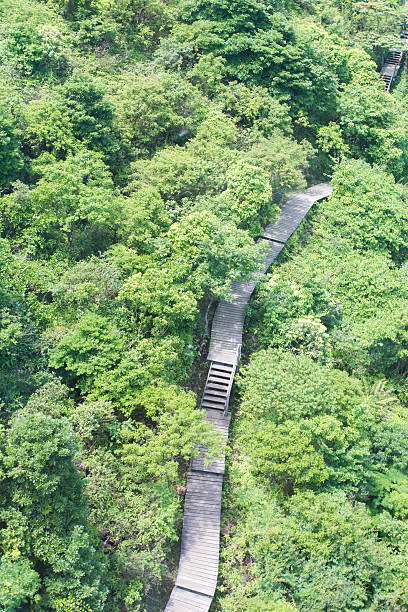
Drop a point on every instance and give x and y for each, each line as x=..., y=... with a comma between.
x=200, y=541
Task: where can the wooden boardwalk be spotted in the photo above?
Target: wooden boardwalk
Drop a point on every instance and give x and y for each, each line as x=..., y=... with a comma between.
x=391, y=67
x=395, y=57
x=200, y=540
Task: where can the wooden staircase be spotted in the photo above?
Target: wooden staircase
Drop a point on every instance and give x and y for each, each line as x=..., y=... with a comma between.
x=218, y=386
x=391, y=67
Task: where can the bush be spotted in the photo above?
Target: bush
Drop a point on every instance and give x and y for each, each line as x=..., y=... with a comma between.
x=37, y=51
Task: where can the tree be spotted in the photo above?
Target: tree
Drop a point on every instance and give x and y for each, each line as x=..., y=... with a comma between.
x=141, y=379
x=48, y=130
x=20, y=324
x=91, y=348
x=316, y=540
x=73, y=208
x=91, y=283
x=285, y=161
x=37, y=51
x=255, y=107
x=375, y=126
x=90, y=114
x=368, y=208
x=248, y=198
x=160, y=304
x=207, y=253
x=261, y=47
x=48, y=552
x=303, y=424
x=10, y=140
x=295, y=387
x=159, y=109
x=238, y=15
x=144, y=218
x=375, y=23
x=19, y=583
x=285, y=455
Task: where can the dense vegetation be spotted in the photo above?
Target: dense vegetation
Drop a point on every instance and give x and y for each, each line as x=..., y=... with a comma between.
x=320, y=479
x=142, y=146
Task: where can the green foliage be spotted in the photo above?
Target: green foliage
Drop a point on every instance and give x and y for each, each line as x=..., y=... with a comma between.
x=375, y=126
x=375, y=23
x=91, y=282
x=18, y=583
x=255, y=107
x=159, y=109
x=90, y=114
x=43, y=518
x=260, y=46
x=93, y=346
x=160, y=303
x=10, y=157
x=143, y=145
x=303, y=429
x=144, y=218
x=318, y=551
x=19, y=329
x=37, y=51
x=209, y=252
x=47, y=130
x=142, y=377
x=248, y=197
x=73, y=207
x=369, y=209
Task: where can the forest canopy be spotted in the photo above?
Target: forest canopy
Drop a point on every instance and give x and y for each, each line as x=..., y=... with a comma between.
x=143, y=146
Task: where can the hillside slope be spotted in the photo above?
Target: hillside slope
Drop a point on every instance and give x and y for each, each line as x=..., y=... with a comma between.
x=143, y=146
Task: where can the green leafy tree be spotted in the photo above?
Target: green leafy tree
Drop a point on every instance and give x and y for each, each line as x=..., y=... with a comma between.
x=48, y=553
x=141, y=379
x=261, y=46
x=93, y=282
x=159, y=303
x=207, y=253
x=159, y=109
x=73, y=207
x=19, y=583
x=90, y=114
x=248, y=197
x=10, y=140
x=93, y=346
x=47, y=130
x=314, y=541
x=144, y=218
x=37, y=51
x=374, y=126
x=369, y=209
x=255, y=107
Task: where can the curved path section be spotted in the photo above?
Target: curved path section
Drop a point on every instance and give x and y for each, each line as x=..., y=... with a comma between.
x=200, y=540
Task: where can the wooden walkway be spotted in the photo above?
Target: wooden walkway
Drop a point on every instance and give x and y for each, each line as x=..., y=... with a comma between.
x=395, y=57
x=391, y=67
x=200, y=540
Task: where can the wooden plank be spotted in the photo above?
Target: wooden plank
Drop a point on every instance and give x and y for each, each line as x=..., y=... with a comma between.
x=204, y=566
x=193, y=477
x=210, y=532
x=202, y=541
x=201, y=602
x=210, y=490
